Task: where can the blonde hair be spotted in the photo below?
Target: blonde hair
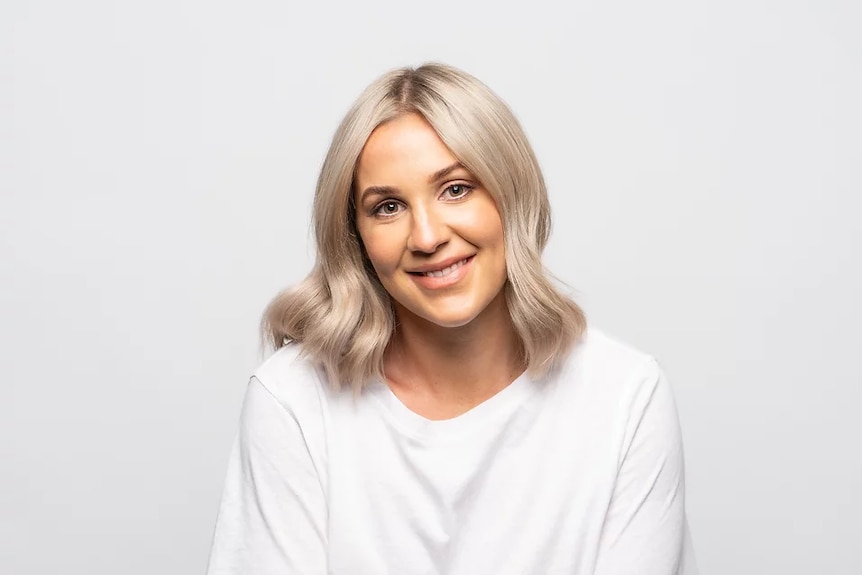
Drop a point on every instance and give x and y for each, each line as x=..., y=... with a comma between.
x=341, y=314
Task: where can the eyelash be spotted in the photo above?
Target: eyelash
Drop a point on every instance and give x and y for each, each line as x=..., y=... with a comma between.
x=467, y=189
x=377, y=210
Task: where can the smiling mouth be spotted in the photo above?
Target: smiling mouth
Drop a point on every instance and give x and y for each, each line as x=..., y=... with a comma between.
x=445, y=271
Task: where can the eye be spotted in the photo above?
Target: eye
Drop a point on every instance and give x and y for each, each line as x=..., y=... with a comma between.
x=455, y=191
x=387, y=208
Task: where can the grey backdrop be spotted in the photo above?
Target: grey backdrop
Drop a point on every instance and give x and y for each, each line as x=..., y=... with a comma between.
x=157, y=161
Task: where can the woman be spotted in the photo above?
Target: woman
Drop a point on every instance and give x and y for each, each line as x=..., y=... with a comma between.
x=436, y=405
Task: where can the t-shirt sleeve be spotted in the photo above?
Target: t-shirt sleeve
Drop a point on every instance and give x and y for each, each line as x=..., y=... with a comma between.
x=645, y=530
x=273, y=511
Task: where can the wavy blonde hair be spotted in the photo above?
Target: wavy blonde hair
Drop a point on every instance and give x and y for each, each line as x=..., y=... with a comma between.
x=341, y=314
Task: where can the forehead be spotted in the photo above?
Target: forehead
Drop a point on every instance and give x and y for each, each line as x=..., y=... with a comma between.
x=406, y=147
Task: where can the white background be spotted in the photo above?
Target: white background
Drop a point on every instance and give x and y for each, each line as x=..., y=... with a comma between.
x=157, y=162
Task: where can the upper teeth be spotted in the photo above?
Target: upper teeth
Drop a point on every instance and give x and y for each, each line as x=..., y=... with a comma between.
x=446, y=271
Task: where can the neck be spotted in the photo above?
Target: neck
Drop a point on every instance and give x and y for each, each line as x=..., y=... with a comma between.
x=442, y=372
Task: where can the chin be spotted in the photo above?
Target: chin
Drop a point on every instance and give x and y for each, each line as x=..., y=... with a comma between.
x=450, y=322
x=452, y=313
x=453, y=317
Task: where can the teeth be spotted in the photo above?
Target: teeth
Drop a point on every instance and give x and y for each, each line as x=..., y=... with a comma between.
x=445, y=271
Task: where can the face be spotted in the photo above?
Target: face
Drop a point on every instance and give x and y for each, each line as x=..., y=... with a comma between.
x=432, y=233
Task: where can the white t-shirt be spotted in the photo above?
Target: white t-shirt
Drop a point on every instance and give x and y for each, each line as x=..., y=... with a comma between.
x=580, y=472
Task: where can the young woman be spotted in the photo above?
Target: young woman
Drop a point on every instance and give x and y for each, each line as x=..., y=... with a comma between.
x=435, y=404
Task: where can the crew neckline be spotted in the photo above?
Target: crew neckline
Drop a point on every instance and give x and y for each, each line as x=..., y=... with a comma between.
x=421, y=428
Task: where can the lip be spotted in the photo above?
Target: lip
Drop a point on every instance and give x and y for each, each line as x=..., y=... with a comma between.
x=432, y=282
x=443, y=264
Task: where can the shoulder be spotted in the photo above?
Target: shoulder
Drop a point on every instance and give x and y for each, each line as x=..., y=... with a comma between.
x=611, y=371
x=607, y=356
x=622, y=395
x=293, y=380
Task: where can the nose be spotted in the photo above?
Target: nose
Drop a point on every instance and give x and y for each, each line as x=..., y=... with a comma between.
x=428, y=231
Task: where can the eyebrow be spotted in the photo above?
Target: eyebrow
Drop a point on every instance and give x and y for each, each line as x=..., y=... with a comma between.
x=377, y=191
x=389, y=190
x=440, y=174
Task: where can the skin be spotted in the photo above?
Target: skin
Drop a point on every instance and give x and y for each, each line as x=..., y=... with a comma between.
x=419, y=210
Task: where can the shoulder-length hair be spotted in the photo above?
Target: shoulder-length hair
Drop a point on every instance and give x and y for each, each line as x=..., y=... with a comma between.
x=341, y=314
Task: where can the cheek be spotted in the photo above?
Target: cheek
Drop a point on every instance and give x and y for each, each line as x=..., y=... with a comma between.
x=380, y=248
x=487, y=227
